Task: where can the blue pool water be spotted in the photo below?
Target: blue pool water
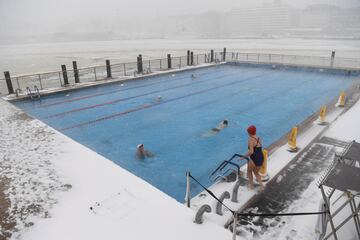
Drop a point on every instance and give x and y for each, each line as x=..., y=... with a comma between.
x=113, y=119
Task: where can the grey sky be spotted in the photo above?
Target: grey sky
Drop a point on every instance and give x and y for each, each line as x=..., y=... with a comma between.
x=42, y=15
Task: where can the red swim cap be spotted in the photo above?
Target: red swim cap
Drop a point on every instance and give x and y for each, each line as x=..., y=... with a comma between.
x=251, y=130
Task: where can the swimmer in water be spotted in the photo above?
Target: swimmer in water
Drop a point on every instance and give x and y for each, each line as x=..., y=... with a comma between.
x=222, y=125
x=141, y=153
x=193, y=76
x=159, y=98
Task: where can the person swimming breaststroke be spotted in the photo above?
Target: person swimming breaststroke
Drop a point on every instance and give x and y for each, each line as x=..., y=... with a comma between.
x=256, y=157
x=142, y=153
x=223, y=124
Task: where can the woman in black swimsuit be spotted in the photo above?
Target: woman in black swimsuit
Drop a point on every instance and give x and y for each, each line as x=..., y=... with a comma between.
x=256, y=157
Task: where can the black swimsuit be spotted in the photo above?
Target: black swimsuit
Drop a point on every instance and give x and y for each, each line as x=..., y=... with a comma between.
x=257, y=157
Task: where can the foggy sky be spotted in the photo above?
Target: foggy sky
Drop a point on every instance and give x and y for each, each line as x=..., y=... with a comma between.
x=23, y=16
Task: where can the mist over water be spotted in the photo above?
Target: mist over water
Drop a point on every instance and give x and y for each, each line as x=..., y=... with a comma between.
x=40, y=57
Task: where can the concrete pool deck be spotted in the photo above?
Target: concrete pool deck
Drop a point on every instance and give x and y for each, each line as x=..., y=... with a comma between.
x=49, y=182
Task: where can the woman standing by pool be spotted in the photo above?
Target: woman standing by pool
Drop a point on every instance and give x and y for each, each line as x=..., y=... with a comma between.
x=256, y=157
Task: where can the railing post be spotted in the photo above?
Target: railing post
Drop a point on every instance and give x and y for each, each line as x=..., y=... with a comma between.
x=76, y=72
x=188, y=58
x=65, y=76
x=108, y=69
x=95, y=74
x=192, y=58
x=187, y=194
x=332, y=59
x=180, y=63
x=169, y=61
x=8, y=82
x=139, y=64
x=212, y=55
x=224, y=55
x=124, y=69
x=234, y=226
x=39, y=77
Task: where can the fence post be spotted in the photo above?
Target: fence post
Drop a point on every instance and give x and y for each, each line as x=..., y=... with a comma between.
x=192, y=58
x=8, y=82
x=234, y=226
x=39, y=77
x=188, y=58
x=139, y=64
x=169, y=61
x=108, y=69
x=76, y=72
x=332, y=58
x=95, y=74
x=224, y=54
x=212, y=55
x=65, y=76
x=187, y=194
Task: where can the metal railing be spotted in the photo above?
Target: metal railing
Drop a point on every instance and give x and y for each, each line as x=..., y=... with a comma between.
x=55, y=79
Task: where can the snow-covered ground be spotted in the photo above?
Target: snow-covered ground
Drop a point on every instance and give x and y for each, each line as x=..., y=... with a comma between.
x=41, y=164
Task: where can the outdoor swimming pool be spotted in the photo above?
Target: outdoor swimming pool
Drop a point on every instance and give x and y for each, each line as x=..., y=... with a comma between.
x=113, y=119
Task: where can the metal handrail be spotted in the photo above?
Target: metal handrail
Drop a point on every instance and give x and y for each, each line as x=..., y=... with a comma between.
x=226, y=162
x=36, y=89
x=29, y=93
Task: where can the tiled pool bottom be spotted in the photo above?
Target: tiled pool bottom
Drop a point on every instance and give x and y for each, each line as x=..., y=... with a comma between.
x=113, y=119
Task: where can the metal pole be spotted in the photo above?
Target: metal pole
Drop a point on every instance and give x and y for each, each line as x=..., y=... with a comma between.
x=327, y=204
x=180, y=63
x=8, y=82
x=149, y=66
x=224, y=55
x=17, y=83
x=234, y=226
x=108, y=69
x=60, y=78
x=187, y=194
x=124, y=69
x=95, y=73
x=212, y=55
x=188, y=57
x=169, y=61
x=65, y=77
x=356, y=217
x=160, y=65
x=41, y=86
x=76, y=72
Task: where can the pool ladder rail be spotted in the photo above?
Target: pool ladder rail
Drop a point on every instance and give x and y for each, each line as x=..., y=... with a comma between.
x=35, y=93
x=228, y=170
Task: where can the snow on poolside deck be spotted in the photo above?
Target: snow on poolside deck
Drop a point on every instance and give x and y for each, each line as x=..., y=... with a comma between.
x=41, y=163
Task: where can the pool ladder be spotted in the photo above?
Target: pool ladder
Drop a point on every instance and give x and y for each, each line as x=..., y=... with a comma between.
x=34, y=94
x=227, y=169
